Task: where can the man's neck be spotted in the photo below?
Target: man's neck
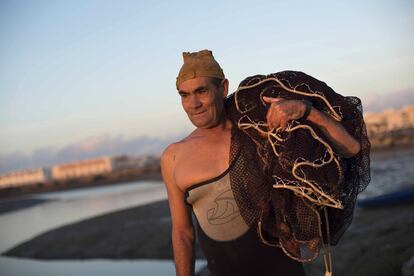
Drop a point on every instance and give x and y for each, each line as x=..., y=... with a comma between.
x=223, y=126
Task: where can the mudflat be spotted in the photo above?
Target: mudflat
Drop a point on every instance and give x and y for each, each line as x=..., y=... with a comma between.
x=379, y=241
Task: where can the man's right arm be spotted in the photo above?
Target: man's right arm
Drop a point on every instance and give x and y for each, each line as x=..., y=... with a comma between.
x=182, y=228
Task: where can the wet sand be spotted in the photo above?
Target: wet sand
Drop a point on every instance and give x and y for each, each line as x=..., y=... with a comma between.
x=378, y=242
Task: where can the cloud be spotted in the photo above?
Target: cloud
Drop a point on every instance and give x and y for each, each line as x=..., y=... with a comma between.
x=87, y=148
x=378, y=102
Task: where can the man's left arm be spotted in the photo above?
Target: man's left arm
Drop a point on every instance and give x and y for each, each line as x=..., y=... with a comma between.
x=282, y=111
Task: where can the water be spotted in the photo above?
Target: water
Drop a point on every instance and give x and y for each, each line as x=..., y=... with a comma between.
x=16, y=267
x=71, y=206
x=390, y=171
x=67, y=207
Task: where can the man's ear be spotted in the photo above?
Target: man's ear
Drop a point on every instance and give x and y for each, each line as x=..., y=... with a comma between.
x=225, y=85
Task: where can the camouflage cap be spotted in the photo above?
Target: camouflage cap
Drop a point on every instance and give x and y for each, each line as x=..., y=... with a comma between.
x=199, y=64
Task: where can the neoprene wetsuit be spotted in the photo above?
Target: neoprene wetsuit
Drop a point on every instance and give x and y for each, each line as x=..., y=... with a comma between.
x=230, y=246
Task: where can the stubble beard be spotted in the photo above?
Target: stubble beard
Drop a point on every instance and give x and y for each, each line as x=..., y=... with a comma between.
x=213, y=123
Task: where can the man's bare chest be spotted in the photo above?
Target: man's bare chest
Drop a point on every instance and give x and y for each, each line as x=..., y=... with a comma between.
x=201, y=162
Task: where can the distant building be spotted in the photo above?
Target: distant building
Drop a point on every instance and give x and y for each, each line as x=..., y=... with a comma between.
x=77, y=169
x=82, y=168
x=25, y=177
x=123, y=162
x=389, y=120
x=391, y=127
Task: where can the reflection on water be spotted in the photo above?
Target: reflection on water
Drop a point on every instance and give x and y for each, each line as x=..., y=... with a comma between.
x=102, y=191
x=71, y=206
x=17, y=267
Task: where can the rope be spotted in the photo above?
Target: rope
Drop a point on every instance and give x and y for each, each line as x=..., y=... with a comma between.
x=327, y=256
x=303, y=186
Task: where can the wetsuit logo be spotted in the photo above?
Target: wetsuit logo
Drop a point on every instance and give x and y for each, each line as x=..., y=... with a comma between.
x=225, y=209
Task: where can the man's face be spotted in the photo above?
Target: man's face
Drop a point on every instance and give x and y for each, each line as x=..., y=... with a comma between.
x=203, y=101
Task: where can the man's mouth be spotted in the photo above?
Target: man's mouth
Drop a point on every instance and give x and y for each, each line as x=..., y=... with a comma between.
x=199, y=113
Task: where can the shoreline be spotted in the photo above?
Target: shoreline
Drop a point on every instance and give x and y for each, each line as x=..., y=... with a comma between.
x=391, y=148
x=15, y=204
x=378, y=242
x=131, y=176
x=142, y=232
x=19, y=192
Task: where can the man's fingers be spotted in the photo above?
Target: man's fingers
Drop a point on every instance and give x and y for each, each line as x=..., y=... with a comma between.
x=268, y=118
x=272, y=120
x=279, y=114
x=271, y=100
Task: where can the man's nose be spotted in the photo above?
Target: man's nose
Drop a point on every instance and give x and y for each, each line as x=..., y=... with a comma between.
x=195, y=102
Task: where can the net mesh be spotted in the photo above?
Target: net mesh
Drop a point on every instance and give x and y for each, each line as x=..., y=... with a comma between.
x=285, y=181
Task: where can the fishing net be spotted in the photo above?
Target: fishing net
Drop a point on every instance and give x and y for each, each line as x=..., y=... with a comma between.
x=291, y=184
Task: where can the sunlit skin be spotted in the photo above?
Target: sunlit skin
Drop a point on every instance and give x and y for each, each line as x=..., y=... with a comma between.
x=205, y=150
x=204, y=153
x=200, y=156
x=203, y=101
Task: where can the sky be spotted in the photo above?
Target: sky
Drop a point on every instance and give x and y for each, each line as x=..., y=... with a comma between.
x=76, y=70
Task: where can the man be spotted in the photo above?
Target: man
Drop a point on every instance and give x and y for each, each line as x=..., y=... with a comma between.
x=196, y=167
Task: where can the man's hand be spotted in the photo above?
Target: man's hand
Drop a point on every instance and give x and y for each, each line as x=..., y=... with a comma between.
x=281, y=111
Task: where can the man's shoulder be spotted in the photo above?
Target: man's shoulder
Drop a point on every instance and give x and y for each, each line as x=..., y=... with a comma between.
x=171, y=156
x=169, y=151
x=175, y=148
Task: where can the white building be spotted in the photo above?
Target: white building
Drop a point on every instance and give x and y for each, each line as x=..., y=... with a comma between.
x=74, y=170
x=389, y=120
x=82, y=168
x=25, y=177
